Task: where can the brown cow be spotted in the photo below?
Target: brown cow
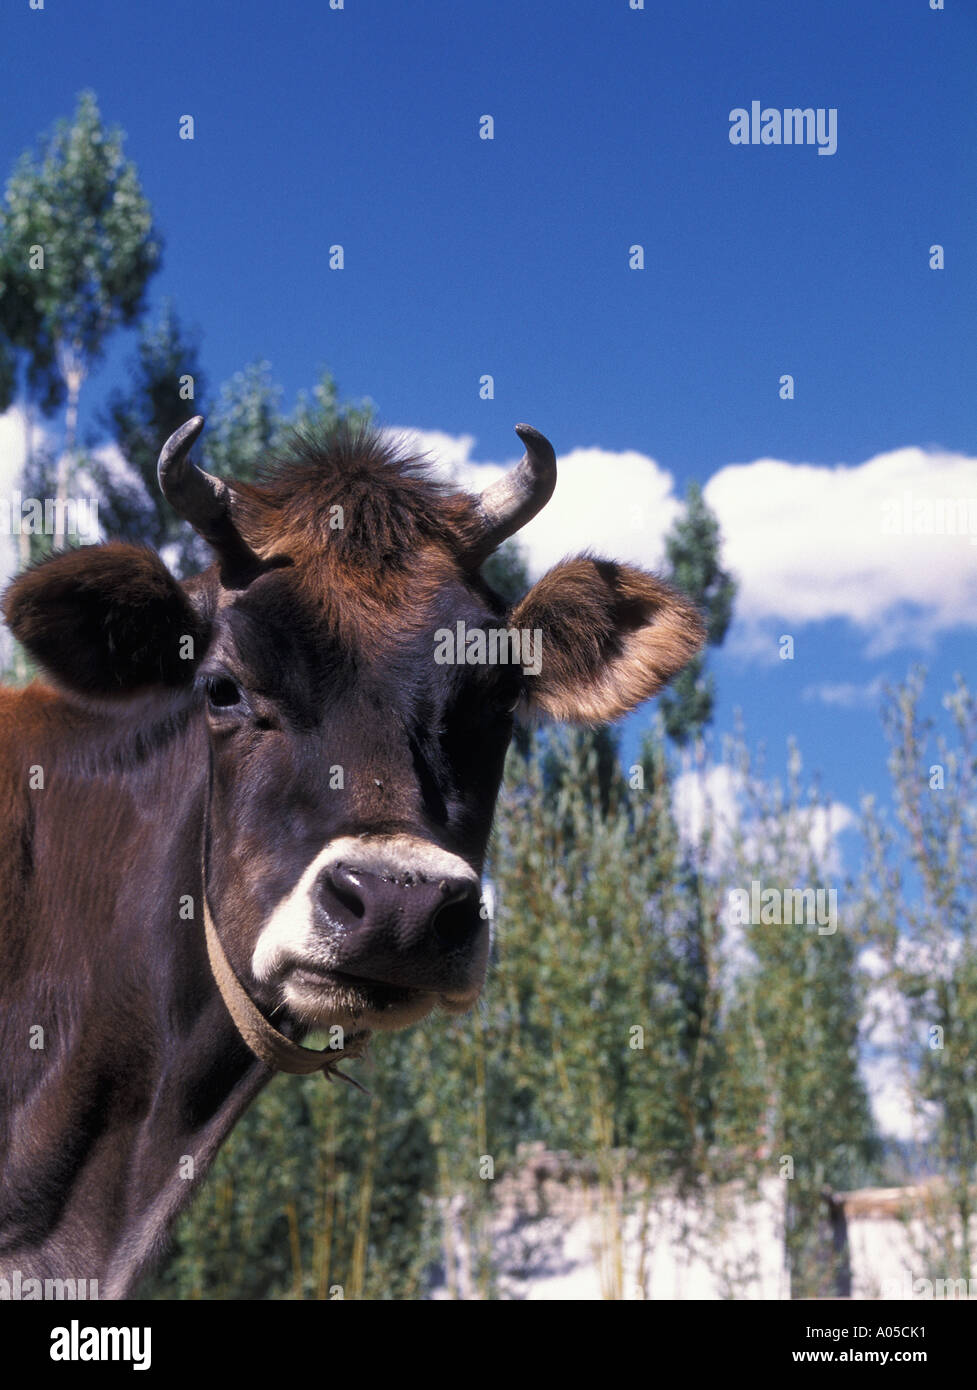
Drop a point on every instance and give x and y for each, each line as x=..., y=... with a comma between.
x=263, y=792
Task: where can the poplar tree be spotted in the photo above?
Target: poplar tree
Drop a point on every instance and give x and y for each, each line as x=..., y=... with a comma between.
x=693, y=565
x=917, y=910
x=166, y=386
x=77, y=249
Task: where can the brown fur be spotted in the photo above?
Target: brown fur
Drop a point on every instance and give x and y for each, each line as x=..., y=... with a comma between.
x=400, y=540
x=331, y=651
x=612, y=636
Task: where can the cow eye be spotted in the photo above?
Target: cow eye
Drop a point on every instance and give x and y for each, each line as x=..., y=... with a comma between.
x=222, y=692
x=508, y=695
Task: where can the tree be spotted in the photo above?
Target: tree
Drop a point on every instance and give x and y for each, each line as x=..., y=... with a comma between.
x=917, y=906
x=323, y=410
x=793, y=1026
x=166, y=385
x=24, y=336
x=77, y=246
x=8, y=367
x=247, y=427
x=506, y=572
x=692, y=551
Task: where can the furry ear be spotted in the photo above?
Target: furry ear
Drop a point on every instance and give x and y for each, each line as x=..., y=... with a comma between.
x=612, y=635
x=107, y=620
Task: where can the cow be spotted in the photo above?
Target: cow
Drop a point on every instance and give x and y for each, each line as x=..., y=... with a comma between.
x=256, y=803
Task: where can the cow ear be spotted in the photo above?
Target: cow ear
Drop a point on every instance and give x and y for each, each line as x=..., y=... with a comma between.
x=611, y=636
x=107, y=621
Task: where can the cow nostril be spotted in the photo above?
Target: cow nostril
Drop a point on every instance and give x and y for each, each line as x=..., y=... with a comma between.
x=385, y=918
x=457, y=920
x=350, y=899
x=341, y=894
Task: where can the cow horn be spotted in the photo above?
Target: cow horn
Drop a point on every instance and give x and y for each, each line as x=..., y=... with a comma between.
x=204, y=501
x=197, y=496
x=505, y=506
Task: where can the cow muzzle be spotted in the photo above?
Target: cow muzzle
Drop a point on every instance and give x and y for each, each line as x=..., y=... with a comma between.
x=378, y=931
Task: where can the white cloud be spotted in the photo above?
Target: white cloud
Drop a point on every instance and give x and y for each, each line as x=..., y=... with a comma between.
x=846, y=694
x=12, y=454
x=721, y=802
x=867, y=543
x=112, y=458
x=890, y=1040
x=898, y=1112
x=448, y=454
x=618, y=504
x=12, y=446
x=890, y=544
x=709, y=803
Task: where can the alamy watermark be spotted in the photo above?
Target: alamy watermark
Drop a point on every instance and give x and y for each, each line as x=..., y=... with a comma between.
x=790, y=907
x=78, y=1343
x=494, y=646
x=795, y=125
x=907, y=1285
x=909, y=515
x=25, y=1288
x=50, y=516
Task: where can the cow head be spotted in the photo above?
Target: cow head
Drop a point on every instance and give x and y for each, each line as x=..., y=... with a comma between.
x=358, y=682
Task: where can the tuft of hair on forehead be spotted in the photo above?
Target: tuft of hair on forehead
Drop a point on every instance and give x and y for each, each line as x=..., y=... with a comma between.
x=368, y=535
x=353, y=496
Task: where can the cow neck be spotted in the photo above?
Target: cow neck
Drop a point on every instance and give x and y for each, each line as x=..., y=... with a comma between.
x=265, y=1041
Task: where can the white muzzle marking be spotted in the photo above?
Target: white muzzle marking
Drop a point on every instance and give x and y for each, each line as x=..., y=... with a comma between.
x=289, y=936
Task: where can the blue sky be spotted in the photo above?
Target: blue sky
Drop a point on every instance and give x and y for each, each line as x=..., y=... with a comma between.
x=510, y=257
